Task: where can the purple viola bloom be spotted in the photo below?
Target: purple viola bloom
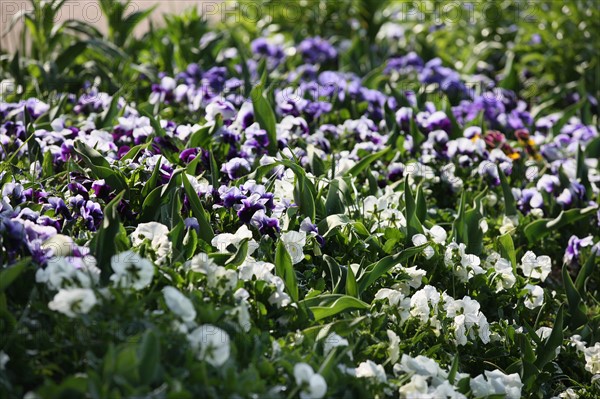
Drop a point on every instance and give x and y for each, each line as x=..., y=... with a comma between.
x=313, y=230
x=14, y=192
x=403, y=118
x=101, y=189
x=78, y=189
x=192, y=223
x=265, y=224
x=230, y=196
x=528, y=199
x=92, y=215
x=60, y=208
x=188, y=155
x=548, y=183
x=316, y=50
x=236, y=167
x=574, y=248
x=249, y=206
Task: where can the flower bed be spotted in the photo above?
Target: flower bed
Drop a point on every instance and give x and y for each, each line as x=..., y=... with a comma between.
x=274, y=225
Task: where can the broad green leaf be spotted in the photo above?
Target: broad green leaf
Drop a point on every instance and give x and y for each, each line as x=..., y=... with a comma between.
x=343, y=304
x=366, y=162
x=206, y=231
x=264, y=115
x=285, y=269
x=104, y=244
x=149, y=357
x=540, y=228
x=11, y=273
x=547, y=351
x=577, y=308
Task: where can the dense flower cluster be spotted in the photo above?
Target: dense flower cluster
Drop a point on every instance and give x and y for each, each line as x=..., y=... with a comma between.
x=352, y=237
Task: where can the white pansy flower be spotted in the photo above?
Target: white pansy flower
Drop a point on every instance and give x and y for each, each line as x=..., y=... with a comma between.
x=332, y=341
x=370, y=369
x=131, y=270
x=569, y=393
x=592, y=359
x=534, y=297
x=294, y=242
x=73, y=301
x=201, y=263
x=179, y=304
x=416, y=388
x=61, y=272
x=157, y=234
x=420, y=239
x=509, y=224
x=313, y=385
x=503, y=276
x=3, y=360
x=465, y=265
x=211, y=344
x=438, y=234
x=537, y=267
x=497, y=383
x=222, y=241
x=394, y=346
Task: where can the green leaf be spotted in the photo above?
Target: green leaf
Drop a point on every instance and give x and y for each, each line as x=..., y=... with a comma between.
x=577, y=308
x=285, y=269
x=586, y=270
x=507, y=249
x=510, y=208
x=342, y=304
x=378, y=269
x=240, y=256
x=540, y=228
x=111, y=113
x=66, y=58
x=351, y=285
x=337, y=275
x=366, y=162
x=264, y=115
x=206, y=231
x=546, y=352
x=333, y=203
x=413, y=224
x=332, y=222
x=304, y=198
x=149, y=357
x=104, y=245
x=11, y=273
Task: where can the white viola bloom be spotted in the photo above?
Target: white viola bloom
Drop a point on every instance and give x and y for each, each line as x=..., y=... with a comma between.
x=4, y=358
x=294, y=242
x=131, y=271
x=63, y=272
x=569, y=393
x=73, y=301
x=497, y=383
x=179, y=304
x=438, y=234
x=537, y=267
x=394, y=347
x=423, y=302
x=370, y=369
x=465, y=265
x=592, y=359
x=509, y=224
x=460, y=330
x=201, y=263
x=251, y=268
x=224, y=240
x=421, y=365
x=211, y=344
x=535, y=296
x=416, y=388
x=420, y=239
x=416, y=276
x=333, y=341
x=157, y=234
x=243, y=316
x=503, y=276
x=313, y=385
